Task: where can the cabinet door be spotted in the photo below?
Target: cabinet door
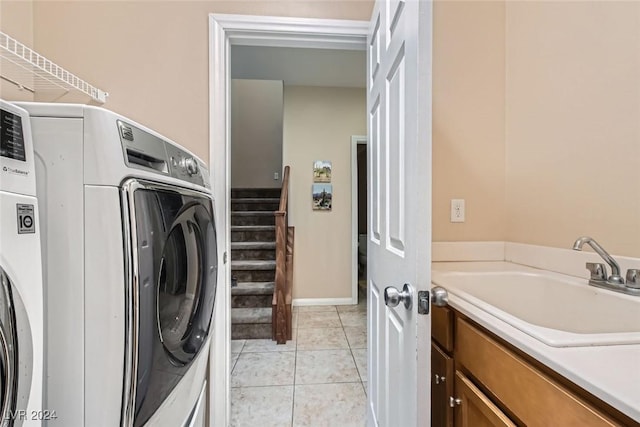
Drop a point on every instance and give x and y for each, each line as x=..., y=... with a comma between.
x=441, y=388
x=475, y=409
x=442, y=327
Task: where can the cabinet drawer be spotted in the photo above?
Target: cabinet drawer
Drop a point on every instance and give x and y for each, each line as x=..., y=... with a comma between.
x=476, y=409
x=531, y=396
x=442, y=326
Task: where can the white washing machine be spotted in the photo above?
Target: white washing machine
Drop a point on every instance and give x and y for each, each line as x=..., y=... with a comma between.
x=21, y=306
x=130, y=269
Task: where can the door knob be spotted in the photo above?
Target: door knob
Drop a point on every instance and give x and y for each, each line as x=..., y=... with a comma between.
x=439, y=296
x=393, y=297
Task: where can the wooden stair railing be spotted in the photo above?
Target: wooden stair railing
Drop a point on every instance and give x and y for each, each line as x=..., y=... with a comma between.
x=281, y=314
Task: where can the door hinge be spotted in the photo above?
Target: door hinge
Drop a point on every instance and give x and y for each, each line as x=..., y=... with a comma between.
x=423, y=302
x=224, y=258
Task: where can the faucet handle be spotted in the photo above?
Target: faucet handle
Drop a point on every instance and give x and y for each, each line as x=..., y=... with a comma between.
x=633, y=278
x=598, y=271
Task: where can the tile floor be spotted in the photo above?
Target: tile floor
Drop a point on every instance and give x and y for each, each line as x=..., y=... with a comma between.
x=317, y=379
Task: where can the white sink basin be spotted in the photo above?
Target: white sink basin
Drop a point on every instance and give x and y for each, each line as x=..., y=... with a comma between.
x=559, y=310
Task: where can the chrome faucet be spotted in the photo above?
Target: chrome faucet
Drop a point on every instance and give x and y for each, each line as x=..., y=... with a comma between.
x=615, y=268
x=598, y=271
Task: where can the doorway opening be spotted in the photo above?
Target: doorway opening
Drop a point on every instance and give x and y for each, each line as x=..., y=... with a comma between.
x=359, y=216
x=234, y=32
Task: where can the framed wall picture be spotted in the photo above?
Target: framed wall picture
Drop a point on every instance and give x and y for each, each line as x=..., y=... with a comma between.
x=322, y=195
x=322, y=171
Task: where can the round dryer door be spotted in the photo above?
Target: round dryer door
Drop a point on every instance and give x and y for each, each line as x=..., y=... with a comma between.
x=177, y=252
x=173, y=288
x=184, y=288
x=8, y=350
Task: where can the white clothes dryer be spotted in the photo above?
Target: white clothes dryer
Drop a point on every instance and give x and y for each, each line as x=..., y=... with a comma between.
x=21, y=305
x=131, y=269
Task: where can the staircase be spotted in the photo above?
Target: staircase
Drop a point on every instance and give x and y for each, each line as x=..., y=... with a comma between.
x=253, y=265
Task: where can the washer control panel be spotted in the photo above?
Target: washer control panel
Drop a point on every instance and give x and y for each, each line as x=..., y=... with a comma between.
x=143, y=150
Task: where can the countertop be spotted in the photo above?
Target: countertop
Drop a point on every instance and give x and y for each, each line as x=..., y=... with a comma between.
x=611, y=373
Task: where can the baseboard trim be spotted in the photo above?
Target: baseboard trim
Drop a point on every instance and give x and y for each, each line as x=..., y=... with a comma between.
x=322, y=301
x=560, y=260
x=467, y=251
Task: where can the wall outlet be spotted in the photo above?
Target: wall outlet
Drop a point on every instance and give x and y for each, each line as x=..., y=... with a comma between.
x=457, y=210
x=276, y=176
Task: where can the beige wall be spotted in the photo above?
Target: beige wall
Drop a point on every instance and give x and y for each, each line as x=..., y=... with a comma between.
x=468, y=119
x=16, y=20
x=537, y=122
x=573, y=123
x=570, y=84
x=152, y=56
x=318, y=125
x=256, y=133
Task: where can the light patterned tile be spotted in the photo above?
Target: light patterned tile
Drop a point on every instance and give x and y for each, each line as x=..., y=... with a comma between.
x=316, y=308
x=262, y=369
x=261, y=406
x=237, y=345
x=360, y=356
x=365, y=385
x=261, y=346
x=352, y=307
x=329, y=405
x=325, y=366
x=354, y=319
x=294, y=320
x=318, y=319
x=357, y=337
x=322, y=339
x=234, y=359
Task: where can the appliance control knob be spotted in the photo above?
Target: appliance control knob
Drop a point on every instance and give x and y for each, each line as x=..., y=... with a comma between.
x=191, y=165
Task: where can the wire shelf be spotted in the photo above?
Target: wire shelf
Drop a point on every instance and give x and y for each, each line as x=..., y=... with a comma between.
x=33, y=72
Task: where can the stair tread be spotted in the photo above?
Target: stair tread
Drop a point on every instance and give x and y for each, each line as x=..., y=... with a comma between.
x=253, y=288
x=255, y=200
x=253, y=213
x=253, y=245
x=253, y=265
x=253, y=227
x=251, y=315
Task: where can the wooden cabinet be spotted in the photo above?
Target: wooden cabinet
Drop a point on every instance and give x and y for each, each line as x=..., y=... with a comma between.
x=474, y=409
x=517, y=389
x=442, y=367
x=441, y=387
x=442, y=327
x=534, y=397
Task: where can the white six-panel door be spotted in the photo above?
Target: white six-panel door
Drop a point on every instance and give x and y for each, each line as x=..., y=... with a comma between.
x=399, y=247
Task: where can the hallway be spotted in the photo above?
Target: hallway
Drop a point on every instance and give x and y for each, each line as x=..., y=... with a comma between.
x=317, y=379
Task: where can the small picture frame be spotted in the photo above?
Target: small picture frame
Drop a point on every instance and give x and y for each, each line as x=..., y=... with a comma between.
x=321, y=197
x=322, y=171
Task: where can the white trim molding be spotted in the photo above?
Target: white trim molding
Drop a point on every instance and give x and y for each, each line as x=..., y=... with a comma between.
x=300, y=302
x=294, y=32
x=467, y=251
x=561, y=260
x=225, y=31
x=218, y=396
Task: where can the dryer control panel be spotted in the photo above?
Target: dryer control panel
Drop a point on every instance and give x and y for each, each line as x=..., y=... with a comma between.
x=143, y=150
x=16, y=151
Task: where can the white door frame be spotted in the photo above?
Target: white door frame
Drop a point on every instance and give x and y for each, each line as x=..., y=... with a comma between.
x=225, y=31
x=355, y=141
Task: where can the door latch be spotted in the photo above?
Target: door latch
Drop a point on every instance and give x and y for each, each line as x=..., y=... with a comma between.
x=423, y=302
